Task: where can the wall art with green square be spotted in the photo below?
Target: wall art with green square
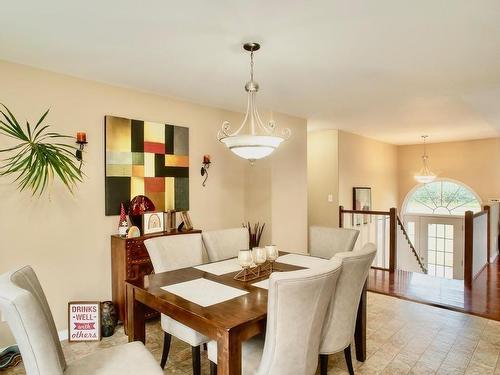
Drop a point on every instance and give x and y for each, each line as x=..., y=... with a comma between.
x=146, y=158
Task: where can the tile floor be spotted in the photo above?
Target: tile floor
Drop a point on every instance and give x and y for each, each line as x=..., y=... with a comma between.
x=403, y=338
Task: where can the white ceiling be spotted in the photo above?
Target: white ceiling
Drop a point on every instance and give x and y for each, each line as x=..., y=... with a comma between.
x=388, y=69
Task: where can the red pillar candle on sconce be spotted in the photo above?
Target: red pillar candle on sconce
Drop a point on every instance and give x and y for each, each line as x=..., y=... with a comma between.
x=81, y=140
x=81, y=137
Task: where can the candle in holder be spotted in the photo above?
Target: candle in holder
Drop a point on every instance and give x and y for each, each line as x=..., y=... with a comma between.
x=81, y=137
x=272, y=252
x=259, y=255
x=245, y=258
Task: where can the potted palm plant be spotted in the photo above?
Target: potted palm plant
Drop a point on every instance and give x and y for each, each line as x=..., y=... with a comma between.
x=38, y=155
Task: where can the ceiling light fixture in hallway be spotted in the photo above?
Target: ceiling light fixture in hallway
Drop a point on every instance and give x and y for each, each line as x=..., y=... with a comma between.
x=425, y=175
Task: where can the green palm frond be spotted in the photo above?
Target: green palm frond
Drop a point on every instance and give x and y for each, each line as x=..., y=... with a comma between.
x=39, y=156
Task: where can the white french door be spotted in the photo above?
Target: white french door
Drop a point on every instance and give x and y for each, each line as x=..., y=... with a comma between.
x=439, y=242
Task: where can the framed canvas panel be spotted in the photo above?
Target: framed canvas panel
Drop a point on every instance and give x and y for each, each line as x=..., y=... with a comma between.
x=84, y=321
x=361, y=201
x=152, y=222
x=146, y=158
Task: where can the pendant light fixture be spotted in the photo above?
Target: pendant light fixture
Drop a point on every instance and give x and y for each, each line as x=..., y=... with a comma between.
x=253, y=139
x=425, y=175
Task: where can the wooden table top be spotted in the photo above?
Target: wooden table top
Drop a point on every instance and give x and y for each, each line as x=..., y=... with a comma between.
x=232, y=313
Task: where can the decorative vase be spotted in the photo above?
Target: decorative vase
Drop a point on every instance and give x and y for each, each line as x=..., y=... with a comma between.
x=109, y=319
x=139, y=205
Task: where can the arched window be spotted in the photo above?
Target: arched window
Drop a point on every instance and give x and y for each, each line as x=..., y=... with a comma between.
x=442, y=197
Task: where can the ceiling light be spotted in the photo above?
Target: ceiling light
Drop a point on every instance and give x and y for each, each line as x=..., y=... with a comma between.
x=253, y=139
x=425, y=175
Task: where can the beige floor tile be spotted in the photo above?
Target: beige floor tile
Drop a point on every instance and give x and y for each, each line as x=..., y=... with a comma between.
x=403, y=338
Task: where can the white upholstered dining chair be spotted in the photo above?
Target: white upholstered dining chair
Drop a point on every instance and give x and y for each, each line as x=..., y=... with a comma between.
x=296, y=308
x=325, y=242
x=25, y=308
x=340, y=321
x=225, y=243
x=170, y=253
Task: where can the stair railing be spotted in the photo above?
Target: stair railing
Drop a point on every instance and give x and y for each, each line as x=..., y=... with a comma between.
x=379, y=227
x=413, y=250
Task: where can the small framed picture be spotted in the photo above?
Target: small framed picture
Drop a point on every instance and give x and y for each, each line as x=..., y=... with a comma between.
x=152, y=222
x=361, y=201
x=84, y=321
x=188, y=225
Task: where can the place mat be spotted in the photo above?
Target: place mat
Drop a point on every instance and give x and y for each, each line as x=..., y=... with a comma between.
x=264, y=284
x=204, y=292
x=301, y=260
x=221, y=268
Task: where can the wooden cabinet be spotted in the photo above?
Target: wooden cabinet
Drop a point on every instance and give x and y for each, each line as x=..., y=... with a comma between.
x=130, y=261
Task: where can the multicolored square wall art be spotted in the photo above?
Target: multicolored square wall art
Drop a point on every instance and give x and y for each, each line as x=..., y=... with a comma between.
x=146, y=158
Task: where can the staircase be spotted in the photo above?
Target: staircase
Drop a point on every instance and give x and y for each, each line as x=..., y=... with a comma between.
x=406, y=240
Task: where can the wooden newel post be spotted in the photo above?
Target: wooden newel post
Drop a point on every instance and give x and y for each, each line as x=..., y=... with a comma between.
x=393, y=230
x=468, y=247
x=341, y=216
x=488, y=231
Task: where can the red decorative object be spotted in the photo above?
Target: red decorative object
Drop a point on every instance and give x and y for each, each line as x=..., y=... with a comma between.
x=81, y=137
x=123, y=216
x=139, y=205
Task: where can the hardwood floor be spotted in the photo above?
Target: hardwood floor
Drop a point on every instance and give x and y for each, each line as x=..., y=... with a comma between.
x=482, y=299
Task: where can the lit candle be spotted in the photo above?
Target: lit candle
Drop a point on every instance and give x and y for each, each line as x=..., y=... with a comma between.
x=81, y=137
x=206, y=159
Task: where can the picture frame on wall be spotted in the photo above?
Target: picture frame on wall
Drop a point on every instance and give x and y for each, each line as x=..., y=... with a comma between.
x=84, y=321
x=361, y=201
x=152, y=222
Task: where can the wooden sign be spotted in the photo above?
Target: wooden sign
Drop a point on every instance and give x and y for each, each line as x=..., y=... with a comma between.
x=84, y=321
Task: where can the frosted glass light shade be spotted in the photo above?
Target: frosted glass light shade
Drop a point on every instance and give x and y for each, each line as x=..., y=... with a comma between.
x=425, y=179
x=252, y=147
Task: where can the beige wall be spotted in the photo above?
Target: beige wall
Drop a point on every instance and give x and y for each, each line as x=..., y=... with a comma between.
x=367, y=162
x=323, y=177
x=66, y=238
x=475, y=163
x=281, y=180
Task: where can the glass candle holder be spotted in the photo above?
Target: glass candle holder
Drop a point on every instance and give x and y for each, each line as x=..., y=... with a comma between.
x=259, y=255
x=272, y=252
x=245, y=258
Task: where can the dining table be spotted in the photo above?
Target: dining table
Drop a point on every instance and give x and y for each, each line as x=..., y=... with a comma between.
x=208, y=299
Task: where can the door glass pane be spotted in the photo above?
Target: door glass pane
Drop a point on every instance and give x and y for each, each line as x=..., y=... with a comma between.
x=440, y=250
x=440, y=244
x=440, y=230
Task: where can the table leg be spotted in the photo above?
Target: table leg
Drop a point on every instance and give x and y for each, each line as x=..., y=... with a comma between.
x=360, y=332
x=136, y=317
x=228, y=353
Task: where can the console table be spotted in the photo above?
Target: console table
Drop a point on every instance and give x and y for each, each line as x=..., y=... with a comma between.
x=130, y=261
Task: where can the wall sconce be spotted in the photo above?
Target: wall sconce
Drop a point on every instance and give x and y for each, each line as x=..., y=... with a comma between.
x=204, y=168
x=81, y=140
